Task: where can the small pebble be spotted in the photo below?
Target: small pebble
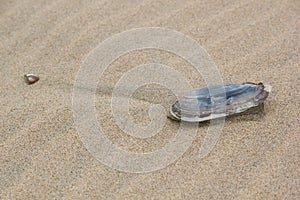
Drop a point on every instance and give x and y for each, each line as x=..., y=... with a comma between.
x=31, y=79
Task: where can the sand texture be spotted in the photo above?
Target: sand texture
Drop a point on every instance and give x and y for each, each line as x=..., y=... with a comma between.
x=41, y=153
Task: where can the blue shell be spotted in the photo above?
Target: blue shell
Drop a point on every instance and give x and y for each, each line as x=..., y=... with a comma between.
x=218, y=101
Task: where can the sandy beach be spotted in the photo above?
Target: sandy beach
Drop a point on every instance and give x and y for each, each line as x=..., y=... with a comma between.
x=42, y=155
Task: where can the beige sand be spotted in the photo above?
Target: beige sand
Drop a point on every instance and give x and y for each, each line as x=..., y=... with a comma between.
x=41, y=155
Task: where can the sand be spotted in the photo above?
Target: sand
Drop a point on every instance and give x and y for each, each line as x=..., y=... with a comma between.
x=41, y=154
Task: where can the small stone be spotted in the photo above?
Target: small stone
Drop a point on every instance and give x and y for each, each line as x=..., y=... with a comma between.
x=31, y=79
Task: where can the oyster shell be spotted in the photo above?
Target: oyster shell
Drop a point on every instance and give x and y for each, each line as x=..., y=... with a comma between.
x=218, y=101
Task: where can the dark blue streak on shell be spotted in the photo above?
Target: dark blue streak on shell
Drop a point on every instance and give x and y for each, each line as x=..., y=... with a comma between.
x=232, y=93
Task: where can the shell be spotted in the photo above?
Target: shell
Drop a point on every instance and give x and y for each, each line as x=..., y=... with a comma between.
x=31, y=79
x=218, y=101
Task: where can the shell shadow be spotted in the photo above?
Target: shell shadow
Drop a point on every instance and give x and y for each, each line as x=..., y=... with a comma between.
x=252, y=114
